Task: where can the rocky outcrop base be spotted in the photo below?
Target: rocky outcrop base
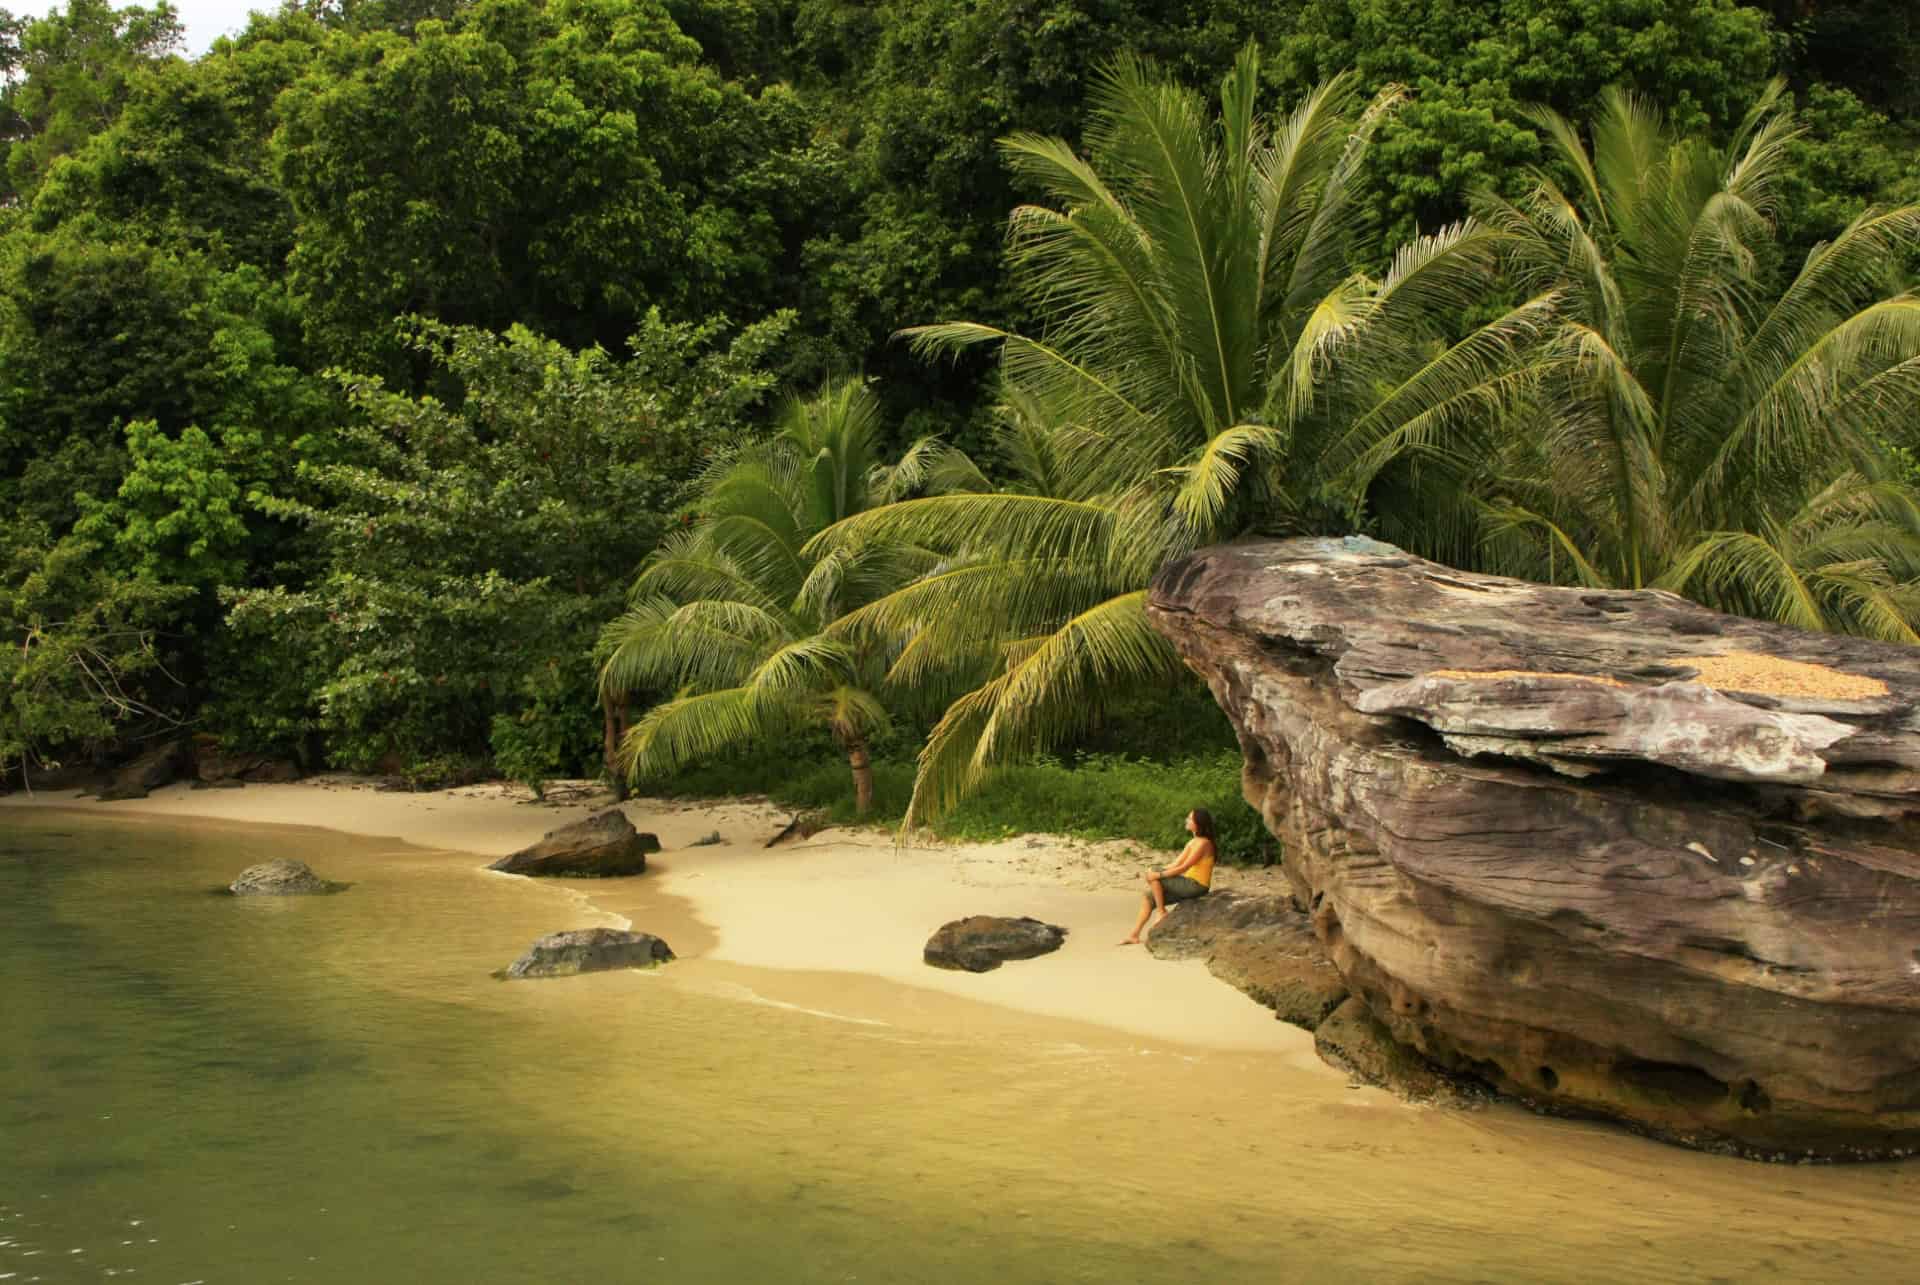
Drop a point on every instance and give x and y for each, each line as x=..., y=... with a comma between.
x=589, y=950
x=1260, y=945
x=981, y=943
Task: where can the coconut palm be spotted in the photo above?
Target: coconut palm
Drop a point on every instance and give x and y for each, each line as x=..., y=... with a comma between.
x=1208, y=363
x=1699, y=429
x=731, y=613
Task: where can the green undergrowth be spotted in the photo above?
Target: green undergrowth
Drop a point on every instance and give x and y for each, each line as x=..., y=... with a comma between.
x=1094, y=796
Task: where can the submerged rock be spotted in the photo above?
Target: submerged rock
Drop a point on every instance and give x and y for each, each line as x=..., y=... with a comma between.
x=1262, y=946
x=589, y=950
x=604, y=844
x=282, y=877
x=981, y=943
x=1611, y=852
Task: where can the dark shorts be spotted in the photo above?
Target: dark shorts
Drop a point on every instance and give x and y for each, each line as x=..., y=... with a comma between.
x=1180, y=888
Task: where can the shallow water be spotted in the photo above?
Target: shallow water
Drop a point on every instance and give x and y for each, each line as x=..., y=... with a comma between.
x=205, y=1088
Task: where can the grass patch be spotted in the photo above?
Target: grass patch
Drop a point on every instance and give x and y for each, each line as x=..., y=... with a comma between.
x=1096, y=796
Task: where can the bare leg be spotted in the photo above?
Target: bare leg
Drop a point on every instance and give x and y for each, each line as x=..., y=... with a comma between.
x=1146, y=908
x=1159, y=897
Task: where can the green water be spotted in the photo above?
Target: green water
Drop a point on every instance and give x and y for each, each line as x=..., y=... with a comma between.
x=205, y=1088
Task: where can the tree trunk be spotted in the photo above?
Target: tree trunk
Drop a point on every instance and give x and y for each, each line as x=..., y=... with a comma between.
x=615, y=723
x=862, y=766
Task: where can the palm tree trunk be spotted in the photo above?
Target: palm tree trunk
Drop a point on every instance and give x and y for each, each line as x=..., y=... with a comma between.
x=615, y=725
x=862, y=765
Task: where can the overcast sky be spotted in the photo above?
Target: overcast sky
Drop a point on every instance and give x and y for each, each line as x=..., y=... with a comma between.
x=206, y=20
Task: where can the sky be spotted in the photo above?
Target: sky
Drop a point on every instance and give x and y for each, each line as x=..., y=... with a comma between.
x=206, y=20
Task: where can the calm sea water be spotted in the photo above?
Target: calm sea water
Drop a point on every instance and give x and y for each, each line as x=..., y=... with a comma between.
x=199, y=1088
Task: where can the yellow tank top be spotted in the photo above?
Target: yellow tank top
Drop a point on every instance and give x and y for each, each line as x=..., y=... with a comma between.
x=1201, y=871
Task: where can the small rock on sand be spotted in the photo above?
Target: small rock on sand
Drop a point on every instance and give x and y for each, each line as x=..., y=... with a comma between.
x=981, y=943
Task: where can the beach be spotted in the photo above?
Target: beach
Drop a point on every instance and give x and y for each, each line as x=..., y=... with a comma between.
x=832, y=923
x=323, y=1088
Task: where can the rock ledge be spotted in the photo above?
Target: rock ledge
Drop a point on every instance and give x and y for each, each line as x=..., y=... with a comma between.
x=1609, y=852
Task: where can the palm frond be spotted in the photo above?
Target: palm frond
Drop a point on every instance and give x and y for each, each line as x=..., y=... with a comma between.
x=691, y=728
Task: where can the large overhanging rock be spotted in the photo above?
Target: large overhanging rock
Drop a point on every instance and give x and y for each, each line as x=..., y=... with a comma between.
x=1610, y=851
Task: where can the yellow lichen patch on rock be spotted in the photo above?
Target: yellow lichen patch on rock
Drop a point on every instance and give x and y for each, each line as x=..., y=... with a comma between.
x=1749, y=671
x=1488, y=675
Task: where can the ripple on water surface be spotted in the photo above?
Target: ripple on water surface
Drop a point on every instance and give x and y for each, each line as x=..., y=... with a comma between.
x=334, y=1090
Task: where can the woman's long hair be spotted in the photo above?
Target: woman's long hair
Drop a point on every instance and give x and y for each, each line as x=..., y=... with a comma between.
x=1203, y=824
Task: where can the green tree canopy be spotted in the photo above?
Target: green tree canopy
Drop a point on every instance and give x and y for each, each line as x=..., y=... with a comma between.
x=563, y=165
x=66, y=76
x=468, y=550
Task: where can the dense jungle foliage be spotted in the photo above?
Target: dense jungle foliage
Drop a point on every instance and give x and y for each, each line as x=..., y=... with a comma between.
x=798, y=394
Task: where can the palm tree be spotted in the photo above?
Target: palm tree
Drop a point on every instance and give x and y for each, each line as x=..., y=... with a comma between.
x=1699, y=429
x=732, y=612
x=1208, y=364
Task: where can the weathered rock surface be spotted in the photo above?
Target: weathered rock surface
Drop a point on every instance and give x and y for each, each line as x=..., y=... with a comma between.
x=216, y=768
x=1610, y=852
x=589, y=950
x=282, y=877
x=159, y=766
x=1262, y=946
x=604, y=844
x=981, y=943
x=1352, y=1039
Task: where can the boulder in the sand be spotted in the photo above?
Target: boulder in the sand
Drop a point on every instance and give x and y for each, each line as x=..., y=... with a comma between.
x=159, y=766
x=604, y=844
x=1608, y=851
x=215, y=768
x=982, y=943
x=589, y=950
x=1261, y=945
x=281, y=877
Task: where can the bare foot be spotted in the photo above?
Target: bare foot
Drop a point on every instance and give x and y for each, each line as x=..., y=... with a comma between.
x=1161, y=920
x=1128, y=941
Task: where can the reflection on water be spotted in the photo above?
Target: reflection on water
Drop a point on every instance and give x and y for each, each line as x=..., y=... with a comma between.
x=333, y=1089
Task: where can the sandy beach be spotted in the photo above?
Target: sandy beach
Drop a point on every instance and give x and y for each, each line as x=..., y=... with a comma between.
x=832, y=923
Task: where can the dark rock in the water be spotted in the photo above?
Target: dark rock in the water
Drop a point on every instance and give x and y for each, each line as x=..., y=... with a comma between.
x=1260, y=945
x=589, y=950
x=1610, y=852
x=159, y=766
x=603, y=844
x=282, y=877
x=983, y=942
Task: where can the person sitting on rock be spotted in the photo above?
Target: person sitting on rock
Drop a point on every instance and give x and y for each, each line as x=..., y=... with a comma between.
x=1189, y=877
